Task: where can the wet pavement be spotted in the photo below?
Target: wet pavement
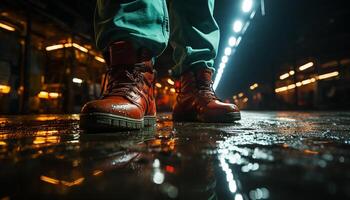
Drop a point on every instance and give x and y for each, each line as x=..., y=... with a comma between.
x=266, y=155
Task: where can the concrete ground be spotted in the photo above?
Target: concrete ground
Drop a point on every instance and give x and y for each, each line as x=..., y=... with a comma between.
x=266, y=155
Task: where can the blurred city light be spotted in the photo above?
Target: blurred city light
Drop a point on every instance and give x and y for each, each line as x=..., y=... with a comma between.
x=67, y=45
x=158, y=85
x=292, y=86
x=81, y=48
x=237, y=26
x=43, y=95
x=222, y=65
x=240, y=95
x=5, y=89
x=77, y=80
x=228, y=51
x=100, y=59
x=171, y=82
x=284, y=76
x=254, y=86
x=172, y=90
x=281, y=89
x=247, y=5
x=306, y=66
x=48, y=95
x=49, y=180
x=54, y=95
x=7, y=27
x=291, y=72
x=328, y=75
x=54, y=47
x=232, y=41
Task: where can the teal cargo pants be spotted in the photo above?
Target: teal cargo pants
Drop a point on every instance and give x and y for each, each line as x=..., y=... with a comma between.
x=194, y=33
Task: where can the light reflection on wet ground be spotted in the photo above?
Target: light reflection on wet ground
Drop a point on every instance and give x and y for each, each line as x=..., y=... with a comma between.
x=266, y=155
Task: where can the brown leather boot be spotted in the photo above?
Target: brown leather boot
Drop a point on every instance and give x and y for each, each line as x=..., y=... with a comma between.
x=128, y=101
x=197, y=101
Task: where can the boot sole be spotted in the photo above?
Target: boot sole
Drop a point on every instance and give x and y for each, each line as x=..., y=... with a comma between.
x=226, y=118
x=110, y=122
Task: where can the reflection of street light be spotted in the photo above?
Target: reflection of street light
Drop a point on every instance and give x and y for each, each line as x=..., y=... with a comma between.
x=237, y=26
x=247, y=5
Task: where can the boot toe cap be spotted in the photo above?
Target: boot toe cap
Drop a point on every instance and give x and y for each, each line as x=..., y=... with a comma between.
x=114, y=107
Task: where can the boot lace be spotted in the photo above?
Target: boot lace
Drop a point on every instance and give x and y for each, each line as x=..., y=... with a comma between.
x=205, y=89
x=123, y=81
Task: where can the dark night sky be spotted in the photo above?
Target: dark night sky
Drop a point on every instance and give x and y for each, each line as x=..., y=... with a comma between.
x=289, y=31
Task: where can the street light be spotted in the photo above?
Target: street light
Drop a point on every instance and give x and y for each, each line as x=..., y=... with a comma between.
x=237, y=26
x=247, y=5
x=224, y=59
x=232, y=41
x=228, y=51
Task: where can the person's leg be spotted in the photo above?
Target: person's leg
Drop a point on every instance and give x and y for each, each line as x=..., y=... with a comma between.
x=143, y=22
x=195, y=34
x=130, y=33
x=195, y=37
